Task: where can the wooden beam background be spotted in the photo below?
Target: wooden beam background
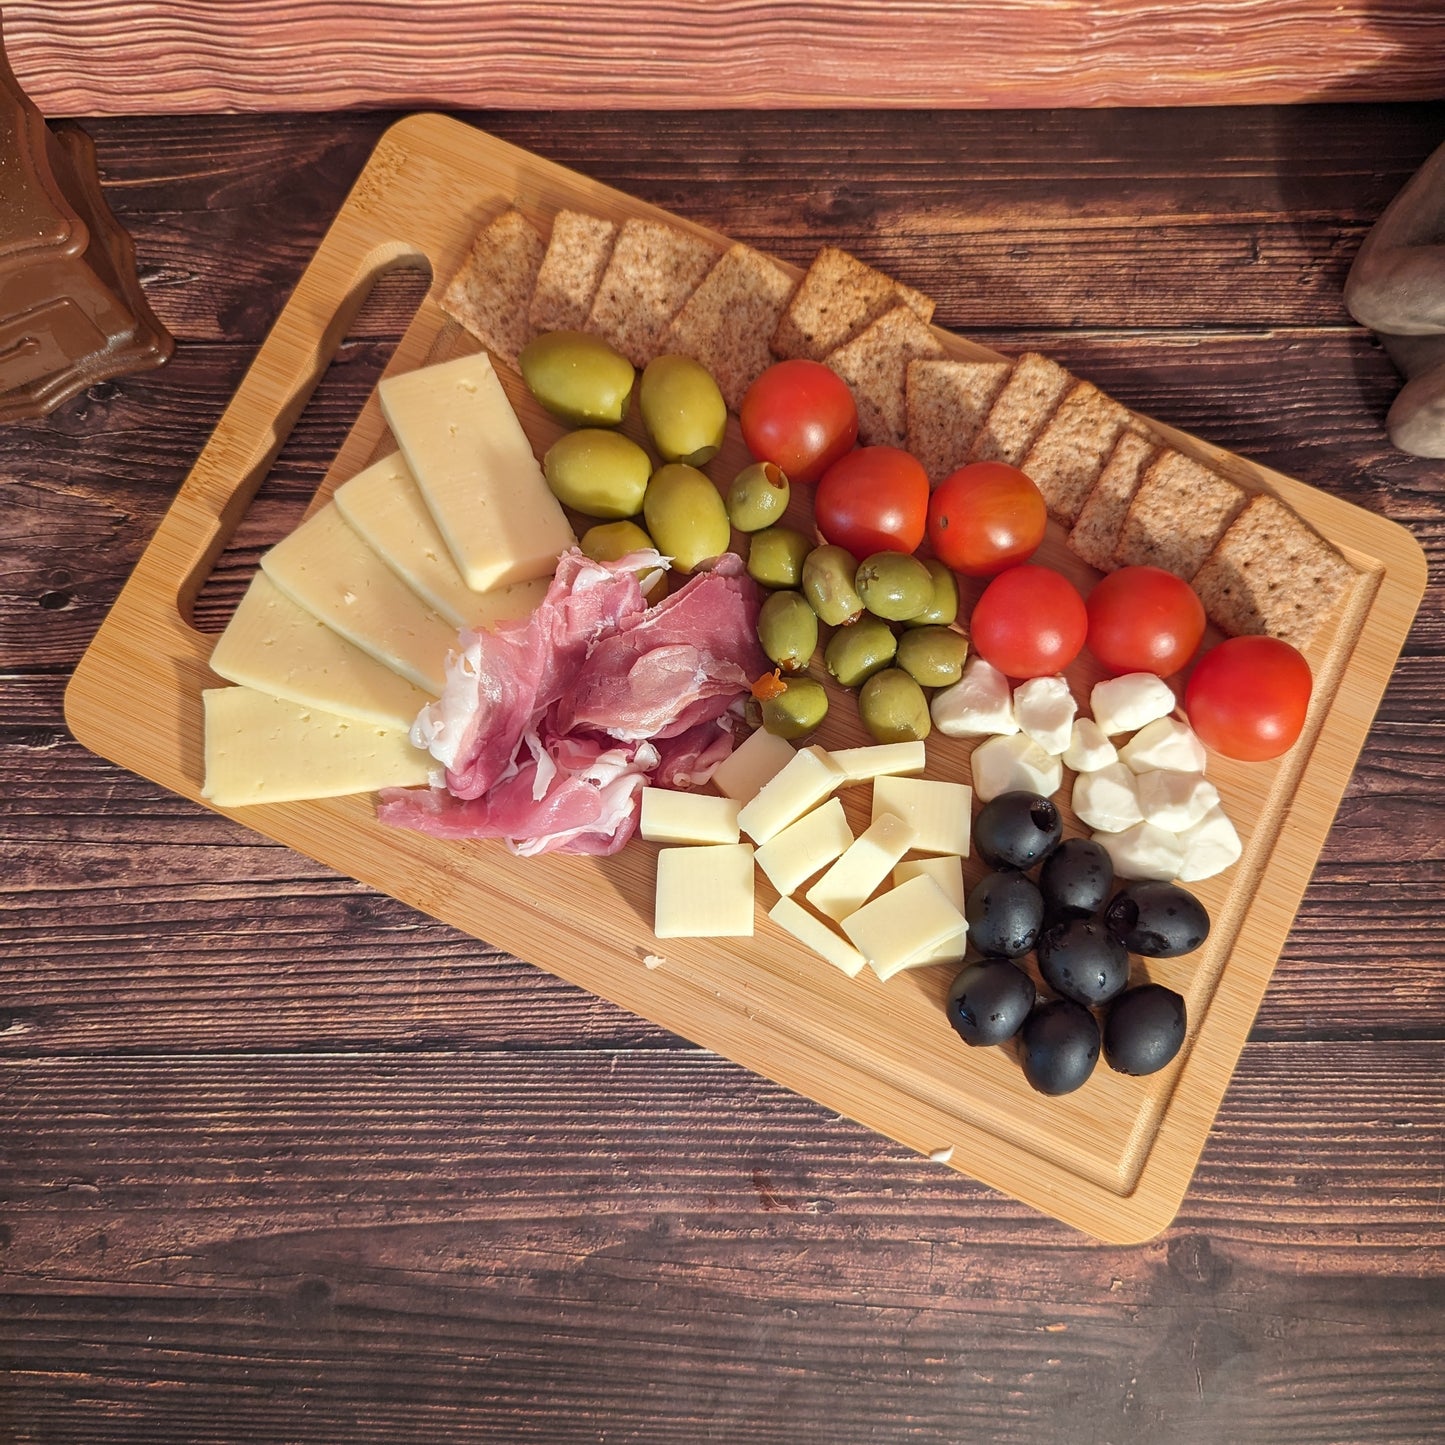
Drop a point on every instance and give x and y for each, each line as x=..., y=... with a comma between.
x=115, y=57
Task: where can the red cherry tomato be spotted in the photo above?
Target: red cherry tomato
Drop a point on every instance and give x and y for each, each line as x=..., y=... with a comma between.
x=873, y=500
x=1247, y=698
x=1030, y=622
x=800, y=415
x=1144, y=619
x=985, y=517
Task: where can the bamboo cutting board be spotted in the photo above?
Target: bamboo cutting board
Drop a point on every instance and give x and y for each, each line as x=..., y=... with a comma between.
x=1113, y=1159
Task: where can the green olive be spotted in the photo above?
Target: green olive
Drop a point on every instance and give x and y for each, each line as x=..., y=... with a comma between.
x=686, y=516
x=828, y=574
x=788, y=630
x=608, y=541
x=893, y=707
x=598, y=472
x=758, y=497
x=577, y=377
x=933, y=656
x=854, y=653
x=942, y=611
x=682, y=409
x=894, y=585
x=798, y=709
x=776, y=556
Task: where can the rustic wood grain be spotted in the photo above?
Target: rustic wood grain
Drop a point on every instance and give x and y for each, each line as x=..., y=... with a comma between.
x=354, y=1176
x=151, y=56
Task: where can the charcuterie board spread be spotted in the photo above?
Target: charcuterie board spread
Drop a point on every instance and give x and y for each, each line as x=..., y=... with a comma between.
x=794, y=898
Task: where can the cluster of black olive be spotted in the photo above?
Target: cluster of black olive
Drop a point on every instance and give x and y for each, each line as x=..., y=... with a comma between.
x=1081, y=932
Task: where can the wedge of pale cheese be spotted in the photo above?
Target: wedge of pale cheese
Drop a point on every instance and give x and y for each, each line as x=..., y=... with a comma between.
x=813, y=933
x=326, y=568
x=276, y=646
x=475, y=467
x=263, y=749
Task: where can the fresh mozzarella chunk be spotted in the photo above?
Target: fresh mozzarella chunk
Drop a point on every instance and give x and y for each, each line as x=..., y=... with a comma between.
x=1014, y=763
x=1044, y=708
x=1175, y=801
x=1088, y=749
x=1210, y=846
x=1164, y=743
x=1107, y=798
x=1144, y=851
x=1123, y=704
x=978, y=705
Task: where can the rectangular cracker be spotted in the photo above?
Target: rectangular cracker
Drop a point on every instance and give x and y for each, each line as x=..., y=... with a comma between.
x=727, y=322
x=492, y=290
x=840, y=297
x=1095, y=532
x=946, y=402
x=875, y=365
x=1271, y=573
x=652, y=271
x=1068, y=456
x=1179, y=512
x=1031, y=394
x=577, y=254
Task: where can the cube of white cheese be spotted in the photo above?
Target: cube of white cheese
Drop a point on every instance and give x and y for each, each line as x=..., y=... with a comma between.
x=1144, y=851
x=791, y=857
x=1013, y=763
x=939, y=813
x=1089, y=749
x=672, y=816
x=850, y=882
x=879, y=759
x=1164, y=743
x=1210, y=846
x=1175, y=801
x=902, y=924
x=978, y=705
x=948, y=874
x=1123, y=704
x=760, y=757
x=808, y=777
x=813, y=933
x=705, y=892
x=1107, y=798
x=1044, y=708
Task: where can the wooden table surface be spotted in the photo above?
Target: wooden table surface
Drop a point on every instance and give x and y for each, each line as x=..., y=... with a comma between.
x=283, y=1160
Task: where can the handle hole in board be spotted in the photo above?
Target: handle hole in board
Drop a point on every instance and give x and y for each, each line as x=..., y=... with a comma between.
x=330, y=413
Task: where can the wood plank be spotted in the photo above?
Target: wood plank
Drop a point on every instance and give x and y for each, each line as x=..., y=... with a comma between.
x=149, y=55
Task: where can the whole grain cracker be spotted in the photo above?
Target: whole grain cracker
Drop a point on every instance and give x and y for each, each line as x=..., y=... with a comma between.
x=840, y=297
x=577, y=254
x=1179, y=512
x=875, y=365
x=1095, y=532
x=652, y=271
x=1068, y=456
x=491, y=291
x=1271, y=574
x=727, y=322
x=1035, y=387
x=946, y=402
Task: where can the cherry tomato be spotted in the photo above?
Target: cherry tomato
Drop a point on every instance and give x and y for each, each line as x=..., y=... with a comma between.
x=800, y=415
x=1030, y=622
x=1144, y=619
x=1247, y=698
x=985, y=517
x=874, y=499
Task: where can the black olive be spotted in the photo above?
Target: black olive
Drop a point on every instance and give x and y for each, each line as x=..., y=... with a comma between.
x=1060, y=1046
x=1076, y=878
x=1083, y=961
x=1016, y=830
x=1144, y=1028
x=1158, y=920
x=1005, y=912
x=989, y=1000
